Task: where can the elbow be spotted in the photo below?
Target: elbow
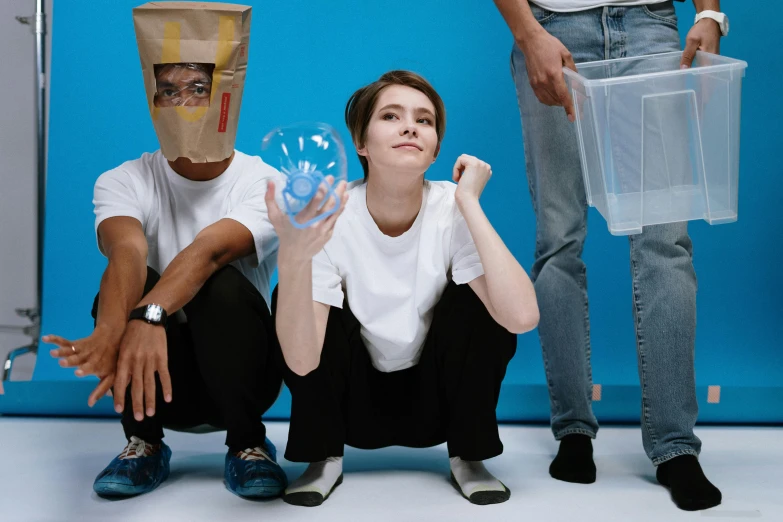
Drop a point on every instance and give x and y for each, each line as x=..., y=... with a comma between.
x=302, y=367
x=524, y=321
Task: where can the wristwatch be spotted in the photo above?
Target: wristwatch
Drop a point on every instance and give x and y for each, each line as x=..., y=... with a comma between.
x=152, y=313
x=722, y=19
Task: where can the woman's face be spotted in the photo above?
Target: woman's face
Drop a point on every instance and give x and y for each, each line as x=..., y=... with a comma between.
x=401, y=135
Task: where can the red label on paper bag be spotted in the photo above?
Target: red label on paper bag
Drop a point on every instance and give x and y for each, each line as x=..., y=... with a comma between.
x=224, y=111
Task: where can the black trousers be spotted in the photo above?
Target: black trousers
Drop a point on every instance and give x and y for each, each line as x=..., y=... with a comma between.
x=220, y=362
x=449, y=396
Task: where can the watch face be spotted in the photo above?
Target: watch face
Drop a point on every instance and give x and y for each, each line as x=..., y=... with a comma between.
x=154, y=313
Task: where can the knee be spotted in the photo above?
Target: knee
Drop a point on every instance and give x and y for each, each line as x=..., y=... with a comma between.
x=561, y=235
x=463, y=310
x=226, y=288
x=670, y=239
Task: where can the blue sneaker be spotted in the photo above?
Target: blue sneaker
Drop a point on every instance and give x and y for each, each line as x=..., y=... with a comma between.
x=141, y=467
x=255, y=473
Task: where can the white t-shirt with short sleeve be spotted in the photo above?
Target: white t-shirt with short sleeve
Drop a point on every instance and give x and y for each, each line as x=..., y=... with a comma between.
x=392, y=284
x=173, y=209
x=565, y=6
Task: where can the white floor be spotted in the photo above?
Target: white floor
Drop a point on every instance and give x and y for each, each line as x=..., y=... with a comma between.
x=47, y=468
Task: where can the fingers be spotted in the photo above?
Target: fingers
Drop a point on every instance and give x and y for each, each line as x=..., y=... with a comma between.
x=56, y=339
x=565, y=96
x=329, y=223
x=317, y=206
x=689, y=53
x=311, y=210
x=121, y=384
x=137, y=389
x=104, y=387
x=463, y=162
x=75, y=359
x=565, y=100
x=271, y=204
x=543, y=93
x=568, y=61
x=165, y=378
x=89, y=367
x=335, y=198
x=149, y=388
x=64, y=345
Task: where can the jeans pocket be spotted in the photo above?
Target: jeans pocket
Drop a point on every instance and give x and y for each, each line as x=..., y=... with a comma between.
x=542, y=15
x=662, y=11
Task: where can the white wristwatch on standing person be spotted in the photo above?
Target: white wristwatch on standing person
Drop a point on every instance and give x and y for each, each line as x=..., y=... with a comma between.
x=722, y=19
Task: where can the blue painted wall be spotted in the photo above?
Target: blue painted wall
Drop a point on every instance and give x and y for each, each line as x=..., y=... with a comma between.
x=306, y=58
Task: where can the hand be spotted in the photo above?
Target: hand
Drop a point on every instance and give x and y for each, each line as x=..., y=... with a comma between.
x=545, y=57
x=143, y=352
x=703, y=36
x=471, y=174
x=302, y=244
x=93, y=355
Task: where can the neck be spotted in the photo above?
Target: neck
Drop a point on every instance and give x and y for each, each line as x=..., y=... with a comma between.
x=200, y=171
x=394, y=205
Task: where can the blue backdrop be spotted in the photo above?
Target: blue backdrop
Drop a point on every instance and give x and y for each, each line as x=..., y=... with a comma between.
x=306, y=58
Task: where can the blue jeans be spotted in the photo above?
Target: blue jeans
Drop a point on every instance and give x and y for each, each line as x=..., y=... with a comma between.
x=664, y=281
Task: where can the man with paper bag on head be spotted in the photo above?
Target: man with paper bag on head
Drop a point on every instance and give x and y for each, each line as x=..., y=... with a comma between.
x=182, y=323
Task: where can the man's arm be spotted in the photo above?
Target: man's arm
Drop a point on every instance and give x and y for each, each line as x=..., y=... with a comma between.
x=122, y=240
x=213, y=248
x=143, y=350
x=702, y=5
x=545, y=55
x=519, y=18
x=704, y=36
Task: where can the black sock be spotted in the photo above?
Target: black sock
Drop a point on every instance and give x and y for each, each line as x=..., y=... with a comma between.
x=574, y=460
x=690, y=489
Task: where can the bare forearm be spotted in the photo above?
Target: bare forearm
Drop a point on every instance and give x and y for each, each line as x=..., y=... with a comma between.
x=295, y=316
x=510, y=289
x=703, y=5
x=122, y=285
x=519, y=19
x=184, y=277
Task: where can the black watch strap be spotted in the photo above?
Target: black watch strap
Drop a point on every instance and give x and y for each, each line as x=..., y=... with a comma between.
x=151, y=313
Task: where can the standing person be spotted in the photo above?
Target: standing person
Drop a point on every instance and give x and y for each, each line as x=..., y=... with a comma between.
x=550, y=35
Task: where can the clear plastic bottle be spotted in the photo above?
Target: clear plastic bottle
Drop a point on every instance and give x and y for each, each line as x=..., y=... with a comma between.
x=310, y=155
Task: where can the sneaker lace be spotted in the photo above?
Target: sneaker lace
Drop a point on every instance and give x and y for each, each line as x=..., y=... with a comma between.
x=257, y=453
x=136, y=448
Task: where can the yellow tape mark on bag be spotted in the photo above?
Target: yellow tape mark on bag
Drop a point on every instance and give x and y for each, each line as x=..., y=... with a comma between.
x=171, y=54
x=225, y=39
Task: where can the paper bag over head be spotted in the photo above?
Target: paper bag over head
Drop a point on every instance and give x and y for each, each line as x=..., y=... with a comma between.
x=194, y=60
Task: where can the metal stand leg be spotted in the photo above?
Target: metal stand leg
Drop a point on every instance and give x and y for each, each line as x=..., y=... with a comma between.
x=32, y=330
x=13, y=354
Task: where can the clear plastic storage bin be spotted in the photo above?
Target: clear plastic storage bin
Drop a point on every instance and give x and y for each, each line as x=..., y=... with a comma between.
x=659, y=144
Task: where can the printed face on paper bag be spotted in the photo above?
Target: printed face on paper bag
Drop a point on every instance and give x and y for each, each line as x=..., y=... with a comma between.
x=183, y=84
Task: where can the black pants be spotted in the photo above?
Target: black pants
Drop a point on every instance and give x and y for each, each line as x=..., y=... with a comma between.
x=220, y=364
x=449, y=396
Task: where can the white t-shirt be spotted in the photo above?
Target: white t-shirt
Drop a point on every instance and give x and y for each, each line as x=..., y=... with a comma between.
x=565, y=6
x=393, y=283
x=173, y=209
